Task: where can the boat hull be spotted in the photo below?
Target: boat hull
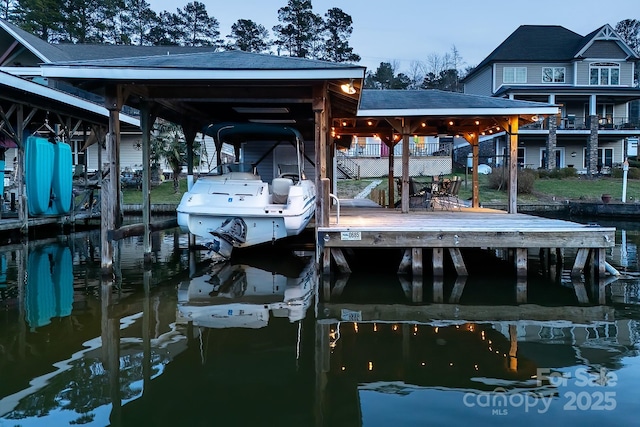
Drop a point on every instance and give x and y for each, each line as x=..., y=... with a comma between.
x=205, y=209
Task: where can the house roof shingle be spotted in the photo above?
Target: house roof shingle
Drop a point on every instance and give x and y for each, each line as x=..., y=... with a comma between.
x=223, y=60
x=433, y=99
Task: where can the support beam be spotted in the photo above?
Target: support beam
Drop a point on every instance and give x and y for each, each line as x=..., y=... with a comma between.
x=473, y=139
x=405, y=262
x=326, y=261
x=581, y=259
x=341, y=261
x=110, y=208
x=145, y=124
x=319, y=105
x=23, y=208
x=405, y=165
x=391, y=178
x=521, y=262
x=416, y=262
x=438, y=262
x=458, y=262
x=513, y=164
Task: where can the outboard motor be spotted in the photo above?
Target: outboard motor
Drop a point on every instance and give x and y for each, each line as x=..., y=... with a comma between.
x=232, y=232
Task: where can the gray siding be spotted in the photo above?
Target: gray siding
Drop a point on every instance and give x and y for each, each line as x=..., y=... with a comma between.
x=480, y=84
x=604, y=49
x=626, y=72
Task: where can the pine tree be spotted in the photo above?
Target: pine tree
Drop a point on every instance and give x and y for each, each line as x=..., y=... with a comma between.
x=296, y=33
x=199, y=28
x=338, y=28
x=248, y=36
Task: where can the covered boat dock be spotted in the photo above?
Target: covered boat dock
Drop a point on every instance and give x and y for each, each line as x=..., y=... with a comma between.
x=326, y=103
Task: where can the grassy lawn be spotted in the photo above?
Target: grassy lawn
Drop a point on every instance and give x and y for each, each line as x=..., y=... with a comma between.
x=162, y=193
x=546, y=190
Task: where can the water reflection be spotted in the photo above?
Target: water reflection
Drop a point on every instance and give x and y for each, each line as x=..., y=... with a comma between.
x=259, y=340
x=235, y=294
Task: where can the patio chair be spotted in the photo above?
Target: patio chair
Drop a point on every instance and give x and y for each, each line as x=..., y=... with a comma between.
x=446, y=196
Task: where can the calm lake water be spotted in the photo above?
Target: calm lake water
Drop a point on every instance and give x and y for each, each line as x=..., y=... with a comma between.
x=262, y=340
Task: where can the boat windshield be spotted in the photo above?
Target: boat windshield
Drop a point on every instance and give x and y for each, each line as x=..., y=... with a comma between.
x=232, y=167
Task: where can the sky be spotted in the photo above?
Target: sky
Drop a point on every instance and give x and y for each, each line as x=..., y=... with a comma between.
x=405, y=31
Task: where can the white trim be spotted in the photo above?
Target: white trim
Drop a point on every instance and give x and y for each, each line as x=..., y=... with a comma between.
x=506, y=111
x=46, y=92
x=22, y=71
x=22, y=41
x=140, y=74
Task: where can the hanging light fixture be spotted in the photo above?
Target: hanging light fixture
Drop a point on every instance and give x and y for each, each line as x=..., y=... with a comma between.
x=348, y=88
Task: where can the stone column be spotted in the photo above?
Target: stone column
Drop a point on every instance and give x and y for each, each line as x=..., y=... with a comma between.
x=551, y=143
x=592, y=146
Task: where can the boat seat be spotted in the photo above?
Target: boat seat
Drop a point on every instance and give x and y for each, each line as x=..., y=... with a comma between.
x=280, y=190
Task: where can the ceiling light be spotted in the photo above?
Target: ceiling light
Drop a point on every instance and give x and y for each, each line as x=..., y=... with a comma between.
x=348, y=88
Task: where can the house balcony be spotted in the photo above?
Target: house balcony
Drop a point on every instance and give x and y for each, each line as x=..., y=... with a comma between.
x=572, y=123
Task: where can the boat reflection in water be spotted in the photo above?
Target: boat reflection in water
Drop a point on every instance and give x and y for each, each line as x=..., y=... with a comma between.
x=242, y=295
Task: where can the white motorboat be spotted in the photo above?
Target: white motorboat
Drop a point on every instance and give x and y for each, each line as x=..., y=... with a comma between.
x=241, y=295
x=234, y=207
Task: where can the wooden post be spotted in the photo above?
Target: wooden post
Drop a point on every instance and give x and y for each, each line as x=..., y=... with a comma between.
x=405, y=165
x=521, y=262
x=326, y=261
x=513, y=165
x=319, y=100
x=325, y=202
x=23, y=208
x=145, y=125
x=391, y=177
x=438, y=262
x=110, y=208
x=475, y=179
x=416, y=262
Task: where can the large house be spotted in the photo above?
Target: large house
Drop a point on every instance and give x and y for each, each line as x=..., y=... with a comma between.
x=592, y=78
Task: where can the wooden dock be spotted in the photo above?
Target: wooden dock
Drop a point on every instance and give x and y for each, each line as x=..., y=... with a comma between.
x=451, y=231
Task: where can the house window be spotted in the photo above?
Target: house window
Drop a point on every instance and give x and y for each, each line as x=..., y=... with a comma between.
x=553, y=74
x=605, y=158
x=604, y=74
x=514, y=75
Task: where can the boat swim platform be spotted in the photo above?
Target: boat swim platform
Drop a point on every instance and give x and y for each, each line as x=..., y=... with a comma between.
x=452, y=230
